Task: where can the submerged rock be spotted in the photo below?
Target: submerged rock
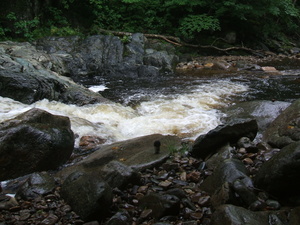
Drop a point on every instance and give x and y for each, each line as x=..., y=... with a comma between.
x=34, y=141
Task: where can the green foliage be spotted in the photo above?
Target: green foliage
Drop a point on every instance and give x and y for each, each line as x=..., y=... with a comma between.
x=188, y=19
x=22, y=28
x=194, y=24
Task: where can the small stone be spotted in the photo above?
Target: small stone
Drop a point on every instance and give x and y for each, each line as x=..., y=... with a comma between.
x=92, y=223
x=242, y=151
x=183, y=176
x=24, y=215
x=247, y=161
x=142, y=189
x=165, y=183
x=195, y=197
x=197, y=215
x=270, y=69
x=193, y=176
x=146, y=213
x=273, y=204
x=204, y=201
x=51, y=219
x=208, y=65
x=139, y=196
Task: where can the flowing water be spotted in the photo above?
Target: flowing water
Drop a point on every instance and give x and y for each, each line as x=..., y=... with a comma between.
x=186, y=105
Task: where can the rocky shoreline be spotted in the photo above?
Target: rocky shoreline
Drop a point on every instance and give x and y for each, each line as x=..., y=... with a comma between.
x=185, y=186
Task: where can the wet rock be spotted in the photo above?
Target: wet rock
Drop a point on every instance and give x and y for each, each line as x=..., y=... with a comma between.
x=117, y=174
x=106, y=55
x=88, y=195
x=224, y=153
x=34, y=141
x=263, y=111
x=279, y=176
x=90, y=142
x=229, y=214
x=160, y=204
x=37, y=184
x=27, y=77
x=285, y=129
x=270, y=69
x=50, y=220
x=7, y=202
x=245, y=195
x=207, y=145
x=230, y=183
x=137, y=153
x=246, y=143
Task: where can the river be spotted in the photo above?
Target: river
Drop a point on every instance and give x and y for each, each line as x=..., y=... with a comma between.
x=186, y=104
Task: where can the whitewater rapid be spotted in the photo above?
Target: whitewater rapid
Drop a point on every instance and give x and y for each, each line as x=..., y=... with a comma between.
x=185, y=115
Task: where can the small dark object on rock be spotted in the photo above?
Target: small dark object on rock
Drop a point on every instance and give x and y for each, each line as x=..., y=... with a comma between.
x=157, y=146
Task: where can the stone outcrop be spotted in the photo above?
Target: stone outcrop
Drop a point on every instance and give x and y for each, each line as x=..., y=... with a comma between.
x=286, y=127
x=27, y=75
x=106, y=55
x=34, y=141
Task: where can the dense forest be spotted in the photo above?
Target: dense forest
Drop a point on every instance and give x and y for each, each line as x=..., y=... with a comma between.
x=257, y=23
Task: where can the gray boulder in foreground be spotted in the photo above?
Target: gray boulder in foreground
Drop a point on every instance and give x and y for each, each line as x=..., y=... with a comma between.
x=88, y=195
x=280, y=175
x=34, y=141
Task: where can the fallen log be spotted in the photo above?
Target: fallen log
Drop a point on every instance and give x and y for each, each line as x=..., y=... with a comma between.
x=176, y=41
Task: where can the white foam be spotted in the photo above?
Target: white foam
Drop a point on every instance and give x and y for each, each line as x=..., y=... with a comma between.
x=98, y=88
x=185, y=115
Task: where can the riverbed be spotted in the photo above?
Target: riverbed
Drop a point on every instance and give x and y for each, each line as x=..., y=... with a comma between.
x=184, y=104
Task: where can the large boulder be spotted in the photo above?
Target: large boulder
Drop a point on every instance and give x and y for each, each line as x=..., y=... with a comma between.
x=34, y=141
x=285, y=129
x=208, y=144
x=127, y=156
x=26, y=75
x=230, y=183
x=280, y=175
x=88, y=195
